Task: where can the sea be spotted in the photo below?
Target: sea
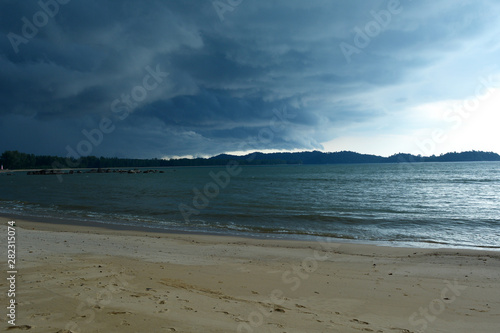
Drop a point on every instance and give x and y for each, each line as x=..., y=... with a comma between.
x=423, y=205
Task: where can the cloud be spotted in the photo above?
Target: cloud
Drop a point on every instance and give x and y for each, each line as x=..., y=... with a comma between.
x=227, y=78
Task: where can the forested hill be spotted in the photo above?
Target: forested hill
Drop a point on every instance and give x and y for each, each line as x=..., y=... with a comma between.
x=349, y=157
x=15, y=160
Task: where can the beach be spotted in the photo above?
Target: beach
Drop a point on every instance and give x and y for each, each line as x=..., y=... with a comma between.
x=88, y=279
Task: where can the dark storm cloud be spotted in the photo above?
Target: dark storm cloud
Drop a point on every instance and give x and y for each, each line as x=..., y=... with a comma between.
x=229, y=72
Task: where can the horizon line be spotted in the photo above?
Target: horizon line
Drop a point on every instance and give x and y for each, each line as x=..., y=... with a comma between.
x=264, y=151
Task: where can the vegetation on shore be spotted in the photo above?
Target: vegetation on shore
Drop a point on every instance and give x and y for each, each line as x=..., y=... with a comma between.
x=13, y=160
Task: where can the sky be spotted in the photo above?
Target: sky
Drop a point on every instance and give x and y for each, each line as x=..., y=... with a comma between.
x=163, y=79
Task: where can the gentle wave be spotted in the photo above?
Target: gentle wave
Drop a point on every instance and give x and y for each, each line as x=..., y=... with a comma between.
x=445, y=204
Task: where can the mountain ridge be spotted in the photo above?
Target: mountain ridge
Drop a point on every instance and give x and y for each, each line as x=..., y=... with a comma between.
x=350, y=157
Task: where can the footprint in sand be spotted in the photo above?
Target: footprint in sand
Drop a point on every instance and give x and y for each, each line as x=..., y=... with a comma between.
x=20, y=327
x=401, y=330
x=119, y=312
x=359, y=321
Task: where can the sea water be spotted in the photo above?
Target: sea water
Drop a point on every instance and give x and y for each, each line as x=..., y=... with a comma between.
x=417, y=204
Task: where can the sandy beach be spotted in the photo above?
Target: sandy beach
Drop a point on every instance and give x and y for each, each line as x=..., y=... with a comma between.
x=87, y=279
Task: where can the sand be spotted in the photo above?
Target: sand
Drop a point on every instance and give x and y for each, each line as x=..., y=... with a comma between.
x=88, y=279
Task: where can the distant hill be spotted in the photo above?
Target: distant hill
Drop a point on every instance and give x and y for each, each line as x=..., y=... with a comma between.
x=349, y=157
x=307, y=157
x=15, y=160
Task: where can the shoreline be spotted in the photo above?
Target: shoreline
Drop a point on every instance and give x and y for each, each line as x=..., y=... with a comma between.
x=98, y=228
x=88, y=279
x=65, y=221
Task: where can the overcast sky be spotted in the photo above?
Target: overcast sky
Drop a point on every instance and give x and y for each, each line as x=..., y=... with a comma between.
x=198, y=78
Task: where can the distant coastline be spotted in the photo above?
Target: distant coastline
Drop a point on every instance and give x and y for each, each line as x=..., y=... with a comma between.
x=14, y=160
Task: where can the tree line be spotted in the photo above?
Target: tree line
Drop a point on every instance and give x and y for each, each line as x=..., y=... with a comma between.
x=17, y=160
